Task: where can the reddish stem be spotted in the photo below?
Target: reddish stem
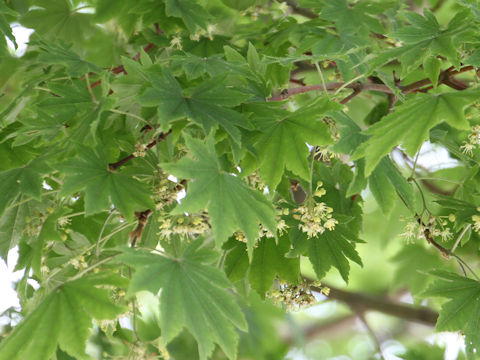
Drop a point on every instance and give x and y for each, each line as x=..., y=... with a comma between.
x=161, y=137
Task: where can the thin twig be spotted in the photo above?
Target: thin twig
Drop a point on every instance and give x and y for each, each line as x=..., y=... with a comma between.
x=330, y=87
x=460, y=237
x=161, y=137
x=445, y=77
x=299, y=10
x=372, y=334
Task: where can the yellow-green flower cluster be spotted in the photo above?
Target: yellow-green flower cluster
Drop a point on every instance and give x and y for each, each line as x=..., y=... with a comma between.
x=184, y=225
x=436, y=226
x=473, y=141
x=476, y=222
x=263, y=231
x=316, y=218
x=166, y=192
x=140, y=150
x=292, y=296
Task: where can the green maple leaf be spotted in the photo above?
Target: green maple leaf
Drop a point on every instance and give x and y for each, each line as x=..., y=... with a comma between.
x=90, y=172
x=12, y=225
x=52, y=53
x=193, y=295
x=40, y=127
x=269, y=260
x=22, y=180
x=236, y=261
x=4, y=25
x=283, y=136
x=413, y=261
x=411, y=122
x=192, y=14
x=207, y=104
x=333, y=248
x=64, y=317
x=231, y=204
x=383, y=191
x=462, y=311
x=425, y=39
x=57, y=18
x=352, y=19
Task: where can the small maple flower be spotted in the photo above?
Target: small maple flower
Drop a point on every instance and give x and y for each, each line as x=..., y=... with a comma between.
x=140, y=150
x=446, y=234
x=467, y=148
x=292, y=296
x=330, y=224
x=63, y=221
x=314, y=221
x=476, y=223
x=176, y=42
x=410, y=232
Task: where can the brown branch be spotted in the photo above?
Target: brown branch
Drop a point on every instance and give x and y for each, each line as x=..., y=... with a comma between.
x=330, y=87
x=136, y=234
x=437, y=190
x=299, y=10
x=161, y=137
x=363, y=302
x=445, y=77
x=121, y=69
x=355, y=92
x=428, y=236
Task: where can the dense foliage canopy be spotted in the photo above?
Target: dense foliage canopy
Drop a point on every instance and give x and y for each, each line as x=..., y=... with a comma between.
x=197, y=179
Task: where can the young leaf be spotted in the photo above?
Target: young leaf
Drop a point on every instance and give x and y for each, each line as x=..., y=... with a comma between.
x=64, y=317
x=52, y=53
x=333, y=248
x=269, y=260
x=23, y=180
x=90, y=171
x=462, y=311
x=192, y=14
x=385, y=192
x=284, y=135
x=424, y=39
x=410, y=123
x=193, y=296
x=231, y=204
x=236, y=261
x=413, y=261
x=5, y=28
x=208, y=104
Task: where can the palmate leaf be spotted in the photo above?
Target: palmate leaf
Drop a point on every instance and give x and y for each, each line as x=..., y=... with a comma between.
x=231, y=204
x=352, y=19
x=333, y=248
x=90, y=172
x=269, y=260
x=64, y=317
x=424, y=39
x=5, y=28
x=283, y=136
x=57, y=18
x=462, y=311
x=385, y=192
x=52, y=53
x=208, y=104
x=25, y=180
x=410, y=123
x=413, y=262
x=193, y=295
x=192, y=14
